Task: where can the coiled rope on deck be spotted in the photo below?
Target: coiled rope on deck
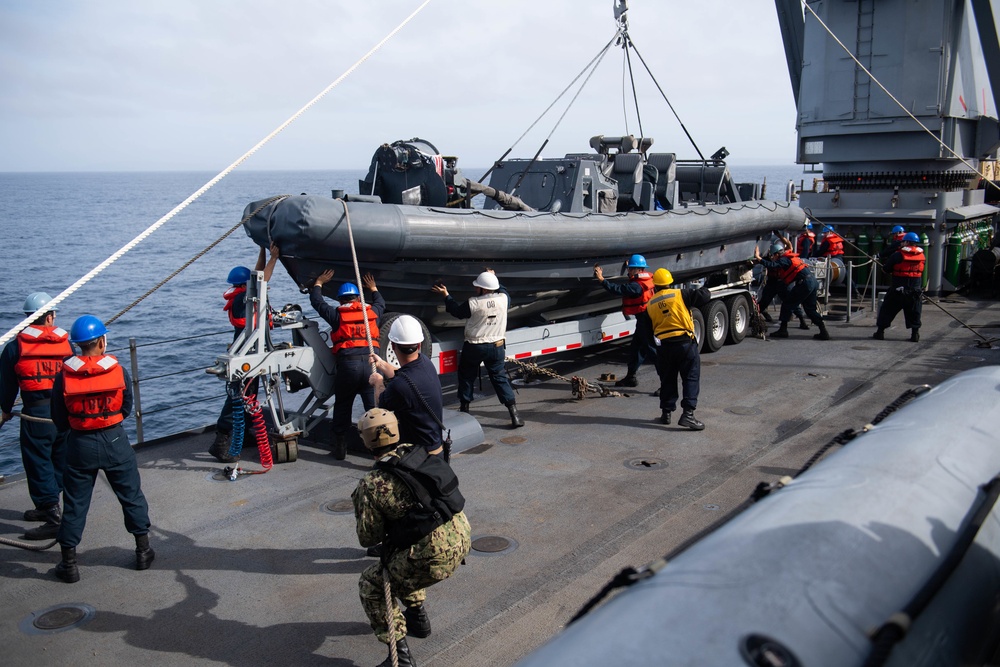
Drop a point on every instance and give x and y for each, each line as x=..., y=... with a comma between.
x=202, y=190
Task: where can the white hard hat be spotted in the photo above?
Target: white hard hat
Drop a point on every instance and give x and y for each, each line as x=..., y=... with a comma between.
x=487, y=280
x=406, y=330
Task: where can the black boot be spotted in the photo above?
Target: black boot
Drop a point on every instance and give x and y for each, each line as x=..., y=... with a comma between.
x=66, y=569
x=628, y=381
x=417, y=623
x=339, y=448
x=802, y=323
x=767, y=316
x=463, y=406
x=823, y=333
x=515, y=419
x=49, y=529
x=782, y=331
x=879, y=334
x=915, y=335
x=374, y=552
x=220, y=448
x=687, y=420
x=36, y=514
x=143, y=554
x=403, y=655
x=664, y=416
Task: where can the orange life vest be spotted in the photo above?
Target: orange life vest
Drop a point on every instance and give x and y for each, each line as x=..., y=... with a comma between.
x=94, y=389
x=231, y=295
x=633, y=305
x=351, y=329
x=807, y=235
x=788, y=273
x=912, y=265
x=41, y=351
x=834, y=245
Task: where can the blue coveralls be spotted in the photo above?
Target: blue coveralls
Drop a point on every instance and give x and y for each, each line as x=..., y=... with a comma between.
x=904, y=295
x=43, y=446
x=417, y=426
x=802, y=291
x=490, y=355
x=106, y=449
x=642, y=346
x=353, y=367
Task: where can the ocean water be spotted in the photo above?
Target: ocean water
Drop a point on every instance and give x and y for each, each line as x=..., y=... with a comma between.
x=56, y=227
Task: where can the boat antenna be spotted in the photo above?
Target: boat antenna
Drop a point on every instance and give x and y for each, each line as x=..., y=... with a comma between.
x=591, y=66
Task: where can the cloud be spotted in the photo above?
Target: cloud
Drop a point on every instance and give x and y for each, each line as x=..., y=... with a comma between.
x=112, y=85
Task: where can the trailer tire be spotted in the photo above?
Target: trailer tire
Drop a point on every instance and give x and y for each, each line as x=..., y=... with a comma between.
x=698, y=319
x=716, y=326
x=739, y=318
x=426, y=348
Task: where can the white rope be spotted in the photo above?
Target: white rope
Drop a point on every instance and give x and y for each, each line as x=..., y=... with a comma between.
x=180, y=207
x=361, y=291
x=891, y=96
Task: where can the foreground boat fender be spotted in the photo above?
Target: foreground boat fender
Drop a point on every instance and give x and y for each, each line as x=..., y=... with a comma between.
x=819, y=564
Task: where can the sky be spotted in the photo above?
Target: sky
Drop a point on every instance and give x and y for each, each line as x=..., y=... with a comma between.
x=163, y=85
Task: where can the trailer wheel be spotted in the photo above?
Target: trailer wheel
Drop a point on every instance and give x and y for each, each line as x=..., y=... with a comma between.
x=739, y=318
x=716, y=326
x=698, y=319
x=383, y=338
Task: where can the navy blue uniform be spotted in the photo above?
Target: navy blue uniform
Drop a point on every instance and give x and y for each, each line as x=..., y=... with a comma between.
x=642, y=346
x=416, y=425
x=490, y=355
x=904, y=295
x=88, y=452
x=802, y=291
x=679, y=356
x=43, y=446
x=353, y=367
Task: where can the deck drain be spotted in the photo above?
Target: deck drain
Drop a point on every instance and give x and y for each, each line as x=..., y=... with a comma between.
x=339, y=506
x=493, y=545
x=57, y=619
x=742, y=410
x=513, y=440
x=646, y=463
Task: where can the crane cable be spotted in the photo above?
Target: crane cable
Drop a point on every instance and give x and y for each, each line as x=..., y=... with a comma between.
x=202, y=190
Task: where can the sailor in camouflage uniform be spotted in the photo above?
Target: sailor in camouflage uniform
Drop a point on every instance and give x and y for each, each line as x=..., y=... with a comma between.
x=411, y=504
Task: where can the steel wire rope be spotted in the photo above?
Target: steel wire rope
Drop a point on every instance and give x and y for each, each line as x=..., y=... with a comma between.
x=596, y=59
x=196, y=257
x=893, y=97
x=203, y=189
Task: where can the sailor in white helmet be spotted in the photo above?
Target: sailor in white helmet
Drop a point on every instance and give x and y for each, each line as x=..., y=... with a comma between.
x=412, y=391
x=485, y=343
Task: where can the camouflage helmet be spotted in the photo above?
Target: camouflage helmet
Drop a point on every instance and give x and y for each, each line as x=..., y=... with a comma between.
x=379, y=428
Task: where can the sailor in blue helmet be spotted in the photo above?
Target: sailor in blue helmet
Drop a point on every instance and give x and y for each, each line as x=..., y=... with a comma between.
x=235, y=308
x=29, y=365
x=892, y=244
x=349, y=340
x=806, y=241
x=635, y=294
x=800, y=283
x=91, y=397
x=906, y=266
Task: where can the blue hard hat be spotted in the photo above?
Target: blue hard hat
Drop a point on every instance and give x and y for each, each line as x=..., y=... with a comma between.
x=809, y=226
x=86, y=328
x=347, y=289
x=35, y=301
x=637, y=262
x=898, y=229
x=912, y=237
x=240, y=275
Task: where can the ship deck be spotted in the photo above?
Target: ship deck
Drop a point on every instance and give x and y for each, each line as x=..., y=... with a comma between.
x=264, y=570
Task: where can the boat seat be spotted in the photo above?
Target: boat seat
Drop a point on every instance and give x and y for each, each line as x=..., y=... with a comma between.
x=633, y=192
x=666, y=167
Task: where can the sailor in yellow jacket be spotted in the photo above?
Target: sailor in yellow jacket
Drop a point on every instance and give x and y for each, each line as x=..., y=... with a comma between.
x=673, y=328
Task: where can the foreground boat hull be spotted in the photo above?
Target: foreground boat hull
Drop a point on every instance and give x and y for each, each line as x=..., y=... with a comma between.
x=545, y=260
x=822, y=562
